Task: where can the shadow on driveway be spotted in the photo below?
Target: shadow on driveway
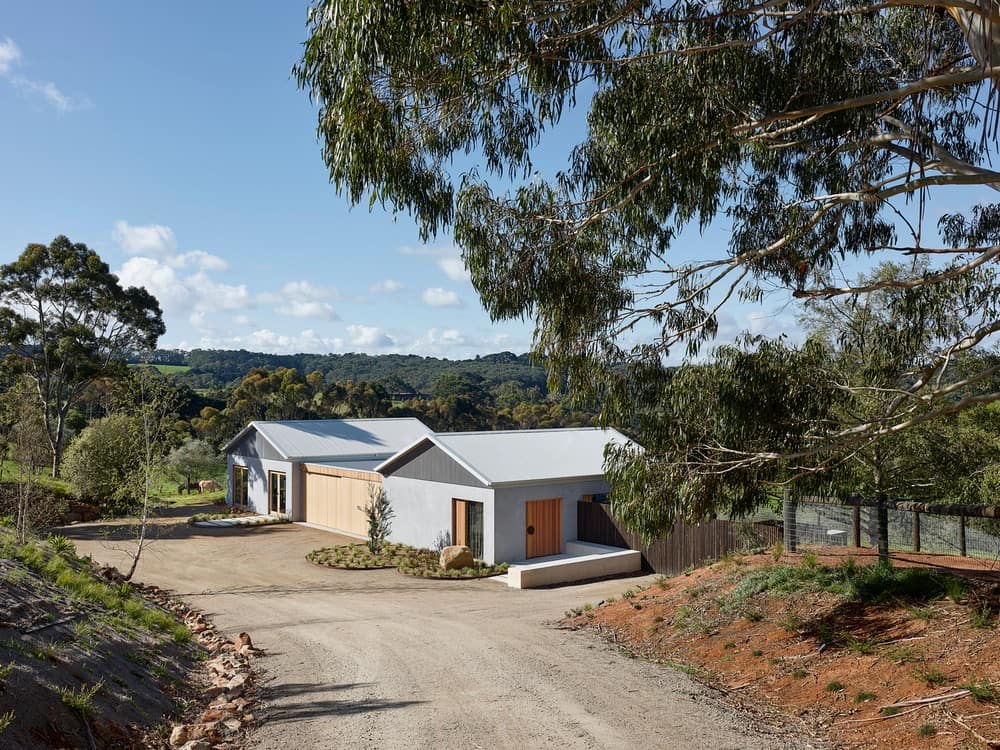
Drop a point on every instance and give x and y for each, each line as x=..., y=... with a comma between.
x=299, y=701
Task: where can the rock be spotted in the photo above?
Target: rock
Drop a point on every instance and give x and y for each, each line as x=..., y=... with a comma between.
x=205, y=731
x=179, y=735
x=243, y=639
x=211, y=692
x=455, y=557
x=219, y=713
x=197, y=745
x=237, y=682
x=233, y=725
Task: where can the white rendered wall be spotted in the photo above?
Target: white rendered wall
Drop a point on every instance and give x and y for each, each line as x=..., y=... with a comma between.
x=423, y=511
x=510, y=513
x=257, y=491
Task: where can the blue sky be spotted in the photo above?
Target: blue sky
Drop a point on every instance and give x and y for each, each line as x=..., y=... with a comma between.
x=171, y=139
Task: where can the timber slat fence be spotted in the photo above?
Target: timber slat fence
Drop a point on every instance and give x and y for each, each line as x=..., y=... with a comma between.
x=684, y=547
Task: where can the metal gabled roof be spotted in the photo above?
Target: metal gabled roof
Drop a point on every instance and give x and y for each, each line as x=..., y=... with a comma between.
x=326, y=439
x=508, y=457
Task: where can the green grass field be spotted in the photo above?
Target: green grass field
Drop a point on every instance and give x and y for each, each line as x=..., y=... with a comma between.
x=8, y=473
x=172, y=369
x=164, y=488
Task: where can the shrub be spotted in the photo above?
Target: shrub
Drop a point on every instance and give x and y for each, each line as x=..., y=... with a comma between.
x=982, y=691
x=81, y=700
x=834, y=686
x=926, y=730
x=379, y=513
x=61, y=545
x=931, y=676
x=982, y=617
x=104, y=464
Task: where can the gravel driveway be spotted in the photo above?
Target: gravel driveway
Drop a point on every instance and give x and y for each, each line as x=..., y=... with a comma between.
x=374, y=659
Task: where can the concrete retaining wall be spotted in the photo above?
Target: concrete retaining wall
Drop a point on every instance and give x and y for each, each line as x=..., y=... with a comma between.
x=604, y=561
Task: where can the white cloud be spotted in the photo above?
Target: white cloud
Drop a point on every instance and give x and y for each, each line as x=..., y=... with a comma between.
x=438, y=297
x=439, y=342
x=387, y=286
x=302, y=299
x=201, y=259
x=369, y=337
x=183, y=294
x=51, y=93
x=10, y=55
x=454, y=269
x=147, y=239
x=266, y=340
x=298, y=308
x=10, y=59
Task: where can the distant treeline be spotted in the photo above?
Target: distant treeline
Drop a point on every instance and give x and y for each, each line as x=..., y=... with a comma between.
x=400, y=374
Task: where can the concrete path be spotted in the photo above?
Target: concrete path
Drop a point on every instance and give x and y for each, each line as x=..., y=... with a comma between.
x=375, y=659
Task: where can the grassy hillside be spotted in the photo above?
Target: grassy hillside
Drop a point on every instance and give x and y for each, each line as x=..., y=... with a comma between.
x=868, y=655
x=82, y=662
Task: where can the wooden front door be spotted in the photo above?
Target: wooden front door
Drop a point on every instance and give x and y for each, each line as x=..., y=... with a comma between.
x=543, y=527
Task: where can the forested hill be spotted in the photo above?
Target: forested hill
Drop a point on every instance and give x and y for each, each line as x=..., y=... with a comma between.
x=399, y=373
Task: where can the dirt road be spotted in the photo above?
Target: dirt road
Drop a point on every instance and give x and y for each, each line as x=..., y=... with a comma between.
x=374, y=659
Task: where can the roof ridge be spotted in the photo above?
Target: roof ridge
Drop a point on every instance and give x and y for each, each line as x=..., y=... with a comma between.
x=521, y=432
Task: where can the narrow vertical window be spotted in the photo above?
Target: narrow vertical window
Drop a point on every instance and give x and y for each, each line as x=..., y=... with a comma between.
x=276, y=480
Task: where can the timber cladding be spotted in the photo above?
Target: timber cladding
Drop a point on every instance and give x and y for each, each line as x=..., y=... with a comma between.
x=335, y=497
x=684, y=547
x=543, y=527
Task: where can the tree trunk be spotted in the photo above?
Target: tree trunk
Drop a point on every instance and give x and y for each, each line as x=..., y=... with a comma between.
x=57, y=443
x=883, y=527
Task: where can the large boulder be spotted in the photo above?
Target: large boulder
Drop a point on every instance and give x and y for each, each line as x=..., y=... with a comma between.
x=455, y=557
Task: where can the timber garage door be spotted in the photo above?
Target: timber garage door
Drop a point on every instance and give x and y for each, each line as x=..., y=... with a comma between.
x=543, y=527
x=332, y=497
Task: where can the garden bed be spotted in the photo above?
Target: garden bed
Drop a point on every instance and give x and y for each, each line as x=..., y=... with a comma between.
x=407, y=560
x=222, y=520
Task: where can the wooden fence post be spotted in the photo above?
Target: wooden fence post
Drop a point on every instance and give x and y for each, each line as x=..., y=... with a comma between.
x=916, y=531
x=790, y=532
x=961, y=536
x=856, y=518
x=883, y=527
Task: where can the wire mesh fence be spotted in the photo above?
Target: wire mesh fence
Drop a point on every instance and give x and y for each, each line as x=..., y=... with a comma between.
x=829, y=522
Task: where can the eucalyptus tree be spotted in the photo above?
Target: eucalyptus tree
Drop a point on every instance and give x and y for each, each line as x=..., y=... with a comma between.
x=816, y=132
x=66, y=321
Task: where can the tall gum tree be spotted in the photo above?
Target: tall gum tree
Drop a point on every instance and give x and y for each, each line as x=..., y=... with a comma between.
x=816, y=131
x=66, y=321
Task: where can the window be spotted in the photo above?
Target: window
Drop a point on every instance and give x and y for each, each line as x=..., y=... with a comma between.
x=241, y=485
x=467, y=525
x=276, y=483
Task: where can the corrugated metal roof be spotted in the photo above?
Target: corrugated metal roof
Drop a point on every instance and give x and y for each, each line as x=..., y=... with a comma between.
x=366, y=464
x=328, y=439
x=524, y=456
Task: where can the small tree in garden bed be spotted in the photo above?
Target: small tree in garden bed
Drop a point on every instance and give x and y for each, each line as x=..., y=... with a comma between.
x=379, y=513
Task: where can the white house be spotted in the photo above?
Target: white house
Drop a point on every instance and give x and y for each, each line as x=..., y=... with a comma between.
x=318, y=470
x=508, y=495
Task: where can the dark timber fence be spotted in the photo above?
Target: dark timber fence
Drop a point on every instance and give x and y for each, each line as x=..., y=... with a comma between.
x=684, y=547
